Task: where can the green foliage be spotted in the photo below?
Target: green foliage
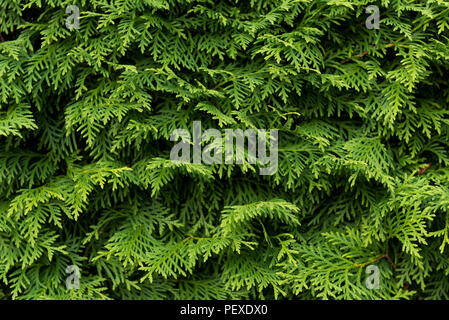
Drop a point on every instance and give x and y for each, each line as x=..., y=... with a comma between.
x=85, y=123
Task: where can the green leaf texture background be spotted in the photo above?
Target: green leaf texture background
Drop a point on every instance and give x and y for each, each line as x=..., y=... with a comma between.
x=86, y=178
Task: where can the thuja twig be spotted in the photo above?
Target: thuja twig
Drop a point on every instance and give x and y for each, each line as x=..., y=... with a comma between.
x=364, y=53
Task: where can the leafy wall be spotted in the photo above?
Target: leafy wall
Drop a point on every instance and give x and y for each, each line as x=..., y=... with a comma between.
x=85, y=175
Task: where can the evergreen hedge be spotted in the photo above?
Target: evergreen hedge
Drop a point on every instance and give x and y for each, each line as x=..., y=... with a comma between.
x=86, y=180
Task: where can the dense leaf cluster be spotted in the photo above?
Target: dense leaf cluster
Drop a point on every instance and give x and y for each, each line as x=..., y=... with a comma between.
x=85, y=123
